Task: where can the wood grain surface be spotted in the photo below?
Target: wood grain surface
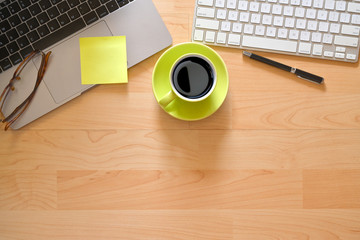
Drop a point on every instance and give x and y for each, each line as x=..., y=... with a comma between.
x=279, y=160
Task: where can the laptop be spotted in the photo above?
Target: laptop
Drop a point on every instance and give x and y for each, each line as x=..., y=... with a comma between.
x=138, y=20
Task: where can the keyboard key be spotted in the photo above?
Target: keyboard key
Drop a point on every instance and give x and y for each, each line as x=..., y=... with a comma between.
x=198, y=35
x=60, y=34
x=346, y=41
x=43, y=30
x=221, y=38
x=328, y=54
x=23, y=42
x=112, y=6
x=14, y=20
x=5, y=64
x=35, y=9
x=73, y=3
x=350, y=56
x=54, y=2
x=3, y=53
x=14, y=7
x=42, y=18
x=84, y=8
x=3, y=40
x=12, y=34
x=94, y=3
x=102, y=11
x=63, y=19
x=122, y=2
x=210, y=36
x=53, y=25
x=90, y=17
x=26, y=51
x=234, y=39
x=205, y=12
x=350, y=30
x=32, y=23
x=24, y=15
x=353, y=7
x=33, y=36
x=268, y=43
x=53, y=12
x=63, y=7
x=4, y=26
x=73, y=14
x=24, y=3
x=44, y=4
x=15, y=58
x=207, y=24
x=205, y=2
x=4, y=13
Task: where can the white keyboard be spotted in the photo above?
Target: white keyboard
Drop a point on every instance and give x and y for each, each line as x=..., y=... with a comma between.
x=326, y=29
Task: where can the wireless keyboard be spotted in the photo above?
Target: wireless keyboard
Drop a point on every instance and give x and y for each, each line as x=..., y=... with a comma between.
x=325, y=29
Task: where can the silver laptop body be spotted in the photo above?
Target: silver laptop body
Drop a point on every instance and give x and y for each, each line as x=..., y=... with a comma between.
x=145, y=34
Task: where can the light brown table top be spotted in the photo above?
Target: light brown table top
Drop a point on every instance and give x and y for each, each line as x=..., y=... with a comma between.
x=279, y=160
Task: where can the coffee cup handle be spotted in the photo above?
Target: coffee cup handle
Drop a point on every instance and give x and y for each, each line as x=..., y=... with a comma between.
x=167, y=99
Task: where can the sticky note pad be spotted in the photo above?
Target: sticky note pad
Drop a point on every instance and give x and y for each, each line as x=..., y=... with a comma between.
x=103, y=60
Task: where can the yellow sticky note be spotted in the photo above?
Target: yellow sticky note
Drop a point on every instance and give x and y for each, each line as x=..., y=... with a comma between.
x=103, y=60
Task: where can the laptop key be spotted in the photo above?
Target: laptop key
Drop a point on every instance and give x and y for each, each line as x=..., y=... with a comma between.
x=5, y=64
x=33, y=23
x=90, y=17
x=94, y=3
x=63, y=19
x=122, y=2
x=12, y=47
x=15, y=58
x=45, y=4
x=53, y=12
x=73, y=3
x=43, y=30
x=60, y=34
x=12, y=34
x=4, y=26
x=112, y=6
x=63, y=7
x=35, y=9
x=42, y=18
x=54, y=2
x=3, y=40
x=73, y=14
x=4, y=13
x=23, y=42
x=26, y=51
x=53, y=25
x=14, y=7
x=3, y=53
x=33, y=36
x=22, y=29
x=102, y=11
x=84, y=8
x=24, y=15
x=24, y=3
x=14, y=20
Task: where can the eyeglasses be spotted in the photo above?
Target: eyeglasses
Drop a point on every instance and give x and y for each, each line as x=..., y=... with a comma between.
x=16, y=113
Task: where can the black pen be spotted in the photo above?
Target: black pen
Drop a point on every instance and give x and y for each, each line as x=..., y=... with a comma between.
x=300, y=73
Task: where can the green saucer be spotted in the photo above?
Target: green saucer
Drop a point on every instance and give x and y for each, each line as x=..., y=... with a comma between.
x=182, y=109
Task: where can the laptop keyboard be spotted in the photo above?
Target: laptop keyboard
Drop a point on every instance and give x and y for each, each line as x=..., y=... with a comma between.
x=26, y=25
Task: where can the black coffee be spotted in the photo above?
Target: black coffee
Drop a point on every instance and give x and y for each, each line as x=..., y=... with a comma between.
x=193, y=77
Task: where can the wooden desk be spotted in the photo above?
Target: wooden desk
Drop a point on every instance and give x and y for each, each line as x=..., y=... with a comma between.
x=279, y=160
